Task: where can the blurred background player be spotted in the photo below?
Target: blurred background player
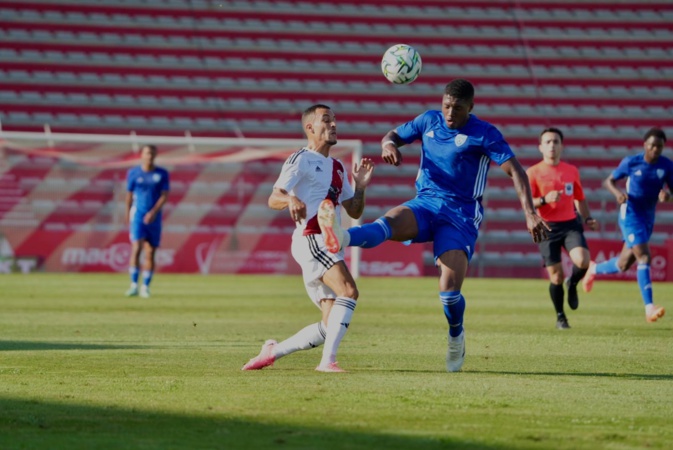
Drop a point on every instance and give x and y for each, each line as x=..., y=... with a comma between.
x=307, y=178
x=147, y=188
x=645, y=175
x=558, y=197
x=457, y=148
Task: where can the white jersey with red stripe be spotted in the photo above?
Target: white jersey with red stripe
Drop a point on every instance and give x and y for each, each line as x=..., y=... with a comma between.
x=312, y=178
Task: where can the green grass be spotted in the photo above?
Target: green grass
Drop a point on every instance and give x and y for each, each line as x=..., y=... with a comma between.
x=82, y=367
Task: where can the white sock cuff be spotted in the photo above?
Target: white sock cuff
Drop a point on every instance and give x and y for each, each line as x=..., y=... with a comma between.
x=345, y=302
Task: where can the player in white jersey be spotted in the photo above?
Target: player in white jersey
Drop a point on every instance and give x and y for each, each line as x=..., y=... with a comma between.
x=309, y=177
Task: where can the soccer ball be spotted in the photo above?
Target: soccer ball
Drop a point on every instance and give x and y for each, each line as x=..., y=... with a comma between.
x=401, y=64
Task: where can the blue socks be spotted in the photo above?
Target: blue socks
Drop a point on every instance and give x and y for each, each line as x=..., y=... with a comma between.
x=147, y=277
x=607, y=267
x=371, y=234
x=454, y=308
x=645, y=283
x=133, y=272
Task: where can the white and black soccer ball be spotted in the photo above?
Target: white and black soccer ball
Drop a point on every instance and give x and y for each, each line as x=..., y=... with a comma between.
x=401, y=64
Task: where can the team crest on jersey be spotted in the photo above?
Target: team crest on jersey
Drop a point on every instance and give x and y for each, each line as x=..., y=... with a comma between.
x=660, y=173
x=460, y=140
x=156, y=178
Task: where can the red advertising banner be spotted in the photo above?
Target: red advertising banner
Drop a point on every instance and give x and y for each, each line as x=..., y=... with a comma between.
x=392, y=259
x=204, y=253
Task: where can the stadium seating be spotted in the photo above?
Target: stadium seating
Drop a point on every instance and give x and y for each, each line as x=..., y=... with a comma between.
x=603, y=72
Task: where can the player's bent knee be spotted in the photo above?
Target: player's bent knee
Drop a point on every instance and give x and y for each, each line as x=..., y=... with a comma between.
x=351, y=292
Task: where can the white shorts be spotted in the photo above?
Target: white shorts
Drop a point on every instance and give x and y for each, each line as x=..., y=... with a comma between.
x=314, y=260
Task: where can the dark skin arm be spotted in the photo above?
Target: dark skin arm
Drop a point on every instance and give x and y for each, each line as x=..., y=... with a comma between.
x=611, y=185
x=389, y=151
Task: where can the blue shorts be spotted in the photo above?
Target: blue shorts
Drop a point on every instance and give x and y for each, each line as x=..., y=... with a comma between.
x=635, y=229
x=150, y=233
x=443, y=224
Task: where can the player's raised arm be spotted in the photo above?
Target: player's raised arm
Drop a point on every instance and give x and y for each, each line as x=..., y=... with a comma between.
x=537, y=227
x=390, y=145
x=362, y=176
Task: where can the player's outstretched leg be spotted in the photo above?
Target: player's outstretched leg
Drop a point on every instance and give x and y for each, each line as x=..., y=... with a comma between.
x=264, y=359
x=605, y=268
x=589, y=277
x=330, y=228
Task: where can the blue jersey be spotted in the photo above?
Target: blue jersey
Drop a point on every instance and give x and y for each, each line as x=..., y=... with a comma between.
x=146, y=187
x=644, y=181
x=455, y=163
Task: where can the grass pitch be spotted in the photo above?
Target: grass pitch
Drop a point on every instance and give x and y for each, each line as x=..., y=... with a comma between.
x=82, y=367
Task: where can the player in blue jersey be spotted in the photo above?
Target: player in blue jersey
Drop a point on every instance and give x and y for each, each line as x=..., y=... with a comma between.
x=147, y=188
x=457, y=148
x=646, y=174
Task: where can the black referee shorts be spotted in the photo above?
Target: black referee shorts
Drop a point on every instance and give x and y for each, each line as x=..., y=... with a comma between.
x=568, y=234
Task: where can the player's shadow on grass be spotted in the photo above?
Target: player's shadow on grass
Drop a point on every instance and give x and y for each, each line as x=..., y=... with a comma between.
x=38, y=424
x=35, y=345
x=628, y=376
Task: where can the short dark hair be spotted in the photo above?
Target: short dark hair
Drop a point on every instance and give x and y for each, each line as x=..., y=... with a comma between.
x=551, y=130
x=152, y=147
x=460, y=88
x=311, y=110
x=656, y=132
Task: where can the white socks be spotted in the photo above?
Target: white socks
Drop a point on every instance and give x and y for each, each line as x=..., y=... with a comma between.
x=309, y=337
x=337, y=325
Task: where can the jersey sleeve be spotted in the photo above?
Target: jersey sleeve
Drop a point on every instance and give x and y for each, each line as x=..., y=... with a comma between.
x=578, y=191
x=290, y=174
x=622, y=170
x=496, y=147
x=413, y=130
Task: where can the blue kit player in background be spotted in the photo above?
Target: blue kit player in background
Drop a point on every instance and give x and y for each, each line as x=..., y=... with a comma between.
x=645, y=175
x=457, y=149
x=147, y=191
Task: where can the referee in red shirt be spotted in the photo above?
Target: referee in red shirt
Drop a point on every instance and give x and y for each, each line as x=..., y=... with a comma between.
x=558, y=196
